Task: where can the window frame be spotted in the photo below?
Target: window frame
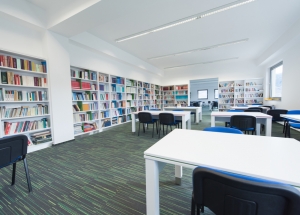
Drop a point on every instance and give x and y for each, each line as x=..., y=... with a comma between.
x=270, y=79
x=215, y=94
x=202, y=90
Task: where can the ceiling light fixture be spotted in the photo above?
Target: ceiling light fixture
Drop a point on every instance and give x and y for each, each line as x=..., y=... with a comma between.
x=208, y=62
x=187, y=19
x=201, y=49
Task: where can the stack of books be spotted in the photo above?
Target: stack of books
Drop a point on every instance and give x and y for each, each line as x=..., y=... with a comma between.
x=75, y=85
x=78, y=129
x=41, y=137
x=89, y=127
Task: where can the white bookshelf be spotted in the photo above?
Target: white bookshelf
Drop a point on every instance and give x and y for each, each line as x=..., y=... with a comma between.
x=240, y=92
x=168, y=96
x=24, y=98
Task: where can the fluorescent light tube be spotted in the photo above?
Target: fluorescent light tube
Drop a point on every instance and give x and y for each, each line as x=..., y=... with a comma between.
x=200, y=49
x=187, y=19
x=208, y=62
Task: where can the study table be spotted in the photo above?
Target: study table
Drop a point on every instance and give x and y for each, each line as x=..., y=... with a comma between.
x=295, y=117
x=197, y=110
x=261, y=118
x=265, y=109
x=270, y=158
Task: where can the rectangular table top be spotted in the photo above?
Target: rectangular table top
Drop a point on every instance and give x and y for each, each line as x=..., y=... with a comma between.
x=176, y=113
x=187, y=108
x=228, y=114
x=270, y=158
x=246, y=107
x=295, y=117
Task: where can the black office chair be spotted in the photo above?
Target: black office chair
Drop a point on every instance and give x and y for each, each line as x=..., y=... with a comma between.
x=146, y=118
x=12, y=150
x=244, y=123
x=227, y=193
x=215, y=105
x=254, y=109
x=270, y=107
x=276, y=114
x=167, y=119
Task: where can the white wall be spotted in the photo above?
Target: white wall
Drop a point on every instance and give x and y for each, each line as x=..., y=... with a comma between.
x=235, y=70
x=210, y=86
x=290, y=78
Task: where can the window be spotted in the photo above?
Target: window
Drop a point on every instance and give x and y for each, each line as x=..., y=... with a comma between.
x=276, y=80
x=216, y=94
x=202, y=94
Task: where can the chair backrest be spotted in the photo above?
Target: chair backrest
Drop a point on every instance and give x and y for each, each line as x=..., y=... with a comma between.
x=254, y=109
x=232, y=194
x=235, y=110
x=223, y=130
x=145, y=117
x=196, y=104
x=243, y=122
x=12, y=149
x=166, y=118
x=293, y=112
x=276, y=114
x=270, y=107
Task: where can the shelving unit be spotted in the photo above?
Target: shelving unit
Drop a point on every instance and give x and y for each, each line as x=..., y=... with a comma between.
x=115, y=98
x=181, y=95
x=240, y=92
x=175, y=95
x=24, y=105
x=168, y=96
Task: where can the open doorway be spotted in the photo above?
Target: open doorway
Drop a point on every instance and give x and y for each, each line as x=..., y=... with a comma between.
x=204, y=92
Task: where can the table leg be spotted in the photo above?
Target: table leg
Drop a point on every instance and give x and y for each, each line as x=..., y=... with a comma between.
x=197, y=115
x=268, y=127
x=189, y=121
x=258, y=129
x=183, y=122
x=178, y=174
x=212, y=122
x=152, y=185
x=133, y=122
x=200, y=114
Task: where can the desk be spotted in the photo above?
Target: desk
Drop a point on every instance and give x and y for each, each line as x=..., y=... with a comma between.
x=261, y=118
x=295, y=117
x=265, y=109
x=197, y=110
x=185, y=116
x=270, y=158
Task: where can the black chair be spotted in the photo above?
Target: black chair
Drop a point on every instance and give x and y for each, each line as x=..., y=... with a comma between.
x=146, y=118
x=276, y=114
x=196, y=104
x=167, y=119
x=12, y=150
x=244, y=123
x=215, y=105
x=193, y=113
x=270, y=107
x=227, y=193
x=254, y=109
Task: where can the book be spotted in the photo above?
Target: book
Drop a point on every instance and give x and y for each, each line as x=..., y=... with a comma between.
x=4, y=78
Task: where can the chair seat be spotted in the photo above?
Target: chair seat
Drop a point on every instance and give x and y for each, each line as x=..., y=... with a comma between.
x=247, y=129
x=295, y=125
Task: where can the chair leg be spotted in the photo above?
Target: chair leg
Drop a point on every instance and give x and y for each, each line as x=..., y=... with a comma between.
x=139, y=129
x=153, y=130
x=159, y=130
x=163, y=129
x=171, y=127
x=27, y=175
x=193, y=207
x=194, y=118
x=13, y=180
x=252, y=132
x=198, y=210
x=167, y=130
x=284, y=126
x=144, y=127
x=202, y=209
x=156, y=127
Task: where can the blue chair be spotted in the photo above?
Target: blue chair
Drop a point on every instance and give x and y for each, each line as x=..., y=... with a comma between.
x=289, y=120
x=223, y=130
x=227, y=123
x=155, y=109
x=256, y=104
x=226, y=193
x=178, y=121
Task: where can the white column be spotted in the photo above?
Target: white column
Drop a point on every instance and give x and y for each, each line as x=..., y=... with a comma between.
x=59, y=80
x=133, y=122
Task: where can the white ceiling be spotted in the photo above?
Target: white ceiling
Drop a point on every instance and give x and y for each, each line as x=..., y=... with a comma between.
x=262, y=21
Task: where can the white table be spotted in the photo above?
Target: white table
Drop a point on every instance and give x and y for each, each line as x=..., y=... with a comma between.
x=270, y=158
x=261, y=118
x=295, y=117
x=197, y=110
x=265, y=109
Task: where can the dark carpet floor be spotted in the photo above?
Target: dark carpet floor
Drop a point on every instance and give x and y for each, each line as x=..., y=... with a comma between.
x=99, y=174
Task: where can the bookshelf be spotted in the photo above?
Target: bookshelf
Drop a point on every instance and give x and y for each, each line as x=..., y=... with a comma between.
x=84, y=100
x=24, y=105
x=108, y=100
x=168, y=96
x=181, y=95
x=240, y=92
